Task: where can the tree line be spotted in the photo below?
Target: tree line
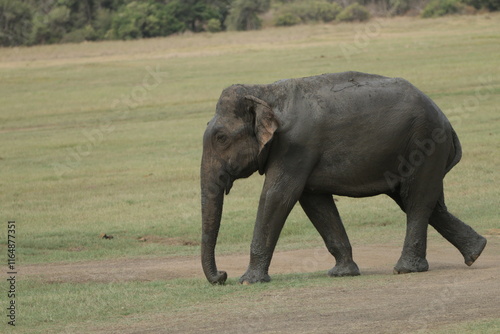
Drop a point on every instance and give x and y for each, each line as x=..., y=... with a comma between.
x=30, y=22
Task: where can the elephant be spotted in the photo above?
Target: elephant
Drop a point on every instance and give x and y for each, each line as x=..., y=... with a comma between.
x=347, y=134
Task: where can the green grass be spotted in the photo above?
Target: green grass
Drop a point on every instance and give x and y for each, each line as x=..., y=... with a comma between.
x=137, y=170
x=87, y=304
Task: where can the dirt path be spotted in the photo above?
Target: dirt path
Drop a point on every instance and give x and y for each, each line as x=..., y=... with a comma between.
x=449, y=293
x=373, y=259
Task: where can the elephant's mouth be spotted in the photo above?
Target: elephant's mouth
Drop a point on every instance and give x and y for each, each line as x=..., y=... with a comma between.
x=229, y=185
x=235, y=171
x=227, y=182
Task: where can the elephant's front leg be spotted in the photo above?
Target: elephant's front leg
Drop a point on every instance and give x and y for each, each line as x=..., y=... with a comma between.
x=323, y=213
x=277, y=200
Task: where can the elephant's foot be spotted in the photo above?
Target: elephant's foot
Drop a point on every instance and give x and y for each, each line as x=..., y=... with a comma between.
x=348, y=269
x=408, y=264
x=254, y=276
x=220, y=278
x=473, y=249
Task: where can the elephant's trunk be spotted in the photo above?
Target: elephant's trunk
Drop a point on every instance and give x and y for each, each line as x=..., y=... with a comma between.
x=212, y=199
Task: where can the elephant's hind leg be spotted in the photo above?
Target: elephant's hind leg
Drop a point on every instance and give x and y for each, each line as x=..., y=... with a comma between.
x=323, y=213
x=459, y=234
x=417, y=198
x=413, y=255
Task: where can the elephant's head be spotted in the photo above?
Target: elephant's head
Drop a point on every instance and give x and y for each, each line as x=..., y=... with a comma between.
x=235, y=145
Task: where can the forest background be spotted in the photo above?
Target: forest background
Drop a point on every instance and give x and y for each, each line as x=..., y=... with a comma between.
x=31, y=22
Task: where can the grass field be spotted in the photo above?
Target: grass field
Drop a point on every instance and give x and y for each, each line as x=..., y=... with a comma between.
x=106, y=138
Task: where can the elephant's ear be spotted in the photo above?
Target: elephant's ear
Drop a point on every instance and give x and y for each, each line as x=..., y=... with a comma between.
x=265, y=126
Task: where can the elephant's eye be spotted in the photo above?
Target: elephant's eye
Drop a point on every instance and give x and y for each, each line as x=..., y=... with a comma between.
x=221, y=138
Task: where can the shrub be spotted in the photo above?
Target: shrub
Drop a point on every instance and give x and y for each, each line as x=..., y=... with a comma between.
x=437, y=8
x=15, y=21
x=488, y=4
x=193, y=14
x=145, y=19
x=287, y=19
x=213, y=25
x=322, y=11
x=102, y=23
x=354, y=12
x=50, y=28
x=243, y=14
x=86, y=33
x=306, y=11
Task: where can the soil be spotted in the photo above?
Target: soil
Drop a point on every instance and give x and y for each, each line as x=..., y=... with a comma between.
x=377, y=302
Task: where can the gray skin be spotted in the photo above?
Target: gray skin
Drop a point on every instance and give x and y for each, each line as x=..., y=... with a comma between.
x=348, y=134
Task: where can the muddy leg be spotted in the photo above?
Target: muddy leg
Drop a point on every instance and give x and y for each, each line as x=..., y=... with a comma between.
x=414, y=249
x=276, y=201
x=459, y=234
x=324, y=215
x=417, y=198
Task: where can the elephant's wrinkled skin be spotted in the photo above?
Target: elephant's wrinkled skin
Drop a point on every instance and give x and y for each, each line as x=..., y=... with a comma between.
x=349, y=134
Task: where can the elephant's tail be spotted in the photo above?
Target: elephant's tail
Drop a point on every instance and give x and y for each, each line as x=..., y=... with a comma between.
x=456, y=152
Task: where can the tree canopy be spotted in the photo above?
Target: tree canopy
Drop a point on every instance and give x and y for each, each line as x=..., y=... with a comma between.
x=29, y=22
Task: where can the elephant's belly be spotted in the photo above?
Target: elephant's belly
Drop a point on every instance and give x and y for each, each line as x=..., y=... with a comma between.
x=349, y=181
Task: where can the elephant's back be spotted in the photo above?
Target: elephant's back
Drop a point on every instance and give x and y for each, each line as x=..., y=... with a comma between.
x=360, y=101
x=339, y=80
x=356, y=94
